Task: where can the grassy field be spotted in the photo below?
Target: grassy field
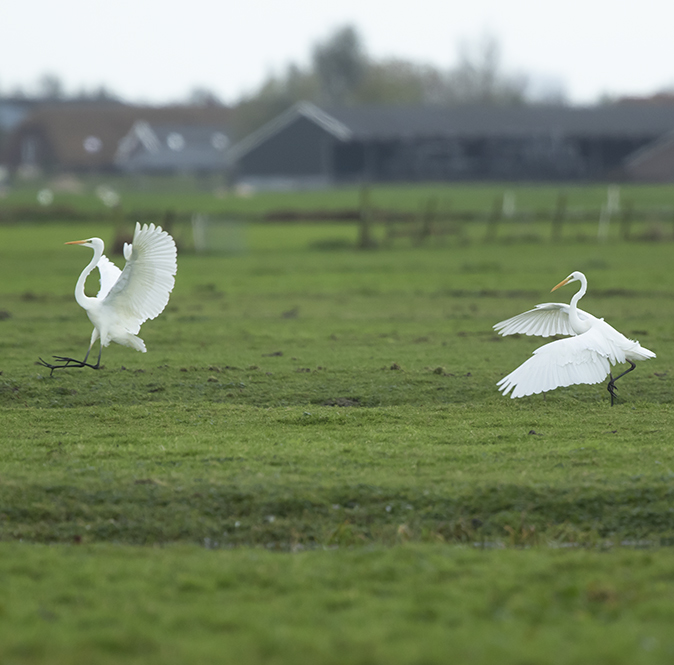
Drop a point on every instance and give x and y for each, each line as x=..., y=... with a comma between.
x=312, y=462
x=187, y=195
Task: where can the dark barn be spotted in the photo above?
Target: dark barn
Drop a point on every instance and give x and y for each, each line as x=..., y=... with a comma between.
x=307, y=145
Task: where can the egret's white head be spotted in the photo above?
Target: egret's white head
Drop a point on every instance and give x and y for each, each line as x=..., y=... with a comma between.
x=90, y=242
x=573, y=277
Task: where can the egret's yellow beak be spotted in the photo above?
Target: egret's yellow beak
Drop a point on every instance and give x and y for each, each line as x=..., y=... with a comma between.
x=564, y=281
x=76, y=242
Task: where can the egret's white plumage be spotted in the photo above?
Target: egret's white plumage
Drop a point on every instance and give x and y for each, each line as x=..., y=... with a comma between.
x=109, y=274
x=585, y=357
x=126, y=297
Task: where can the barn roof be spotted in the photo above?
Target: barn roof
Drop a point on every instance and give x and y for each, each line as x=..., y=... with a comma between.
x=609, y=120
x=402, y=122
x=173, y=146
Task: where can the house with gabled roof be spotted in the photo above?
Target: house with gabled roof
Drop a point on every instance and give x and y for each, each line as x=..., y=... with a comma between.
x=308, y=145
x=85, y=137
x=13, y=109
x=162, y=148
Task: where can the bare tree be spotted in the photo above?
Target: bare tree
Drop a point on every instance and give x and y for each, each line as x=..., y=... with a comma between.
x=50, y=87
x=478, y=77
x=202, y=96
x=340, y=63
x=398, y=81
x=342, y=73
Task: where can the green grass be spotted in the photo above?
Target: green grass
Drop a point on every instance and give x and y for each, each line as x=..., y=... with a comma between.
x=312, y=461
x=407, y=605
x=187, y=194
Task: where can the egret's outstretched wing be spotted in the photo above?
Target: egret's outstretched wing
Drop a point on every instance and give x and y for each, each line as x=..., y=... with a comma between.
x=545, y=320
x=109, y=273
x=143, y=288
x=585, y=358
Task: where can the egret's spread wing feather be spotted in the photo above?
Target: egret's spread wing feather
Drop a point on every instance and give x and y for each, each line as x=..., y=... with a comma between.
x=545, y=320
x=585, y=358
x=620, y=348
x=143, y=289
x=109, y=273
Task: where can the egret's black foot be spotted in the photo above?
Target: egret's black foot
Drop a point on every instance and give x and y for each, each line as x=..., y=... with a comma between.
x=73, y=362
x=66, y=362
x=611, y=384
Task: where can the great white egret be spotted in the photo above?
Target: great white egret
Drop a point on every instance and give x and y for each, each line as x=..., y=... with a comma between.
x=126, y=297
x=585, y=357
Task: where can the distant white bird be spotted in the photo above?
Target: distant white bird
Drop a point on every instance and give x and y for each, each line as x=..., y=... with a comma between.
x=586, y=357
x=127, y=297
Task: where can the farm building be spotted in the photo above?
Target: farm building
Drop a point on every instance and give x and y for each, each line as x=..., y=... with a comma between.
x=13, y=110
x=311, y=146
x=652, y=163
x=172, y=148
x=85, y=137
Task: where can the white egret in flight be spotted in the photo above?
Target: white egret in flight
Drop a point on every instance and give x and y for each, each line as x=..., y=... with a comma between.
x=127, y=297
x=585, y=357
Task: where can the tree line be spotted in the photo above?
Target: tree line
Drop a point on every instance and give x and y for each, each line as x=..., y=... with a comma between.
x=341, y=72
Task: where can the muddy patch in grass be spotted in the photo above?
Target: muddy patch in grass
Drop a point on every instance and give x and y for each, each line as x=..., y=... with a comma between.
x=341, y=401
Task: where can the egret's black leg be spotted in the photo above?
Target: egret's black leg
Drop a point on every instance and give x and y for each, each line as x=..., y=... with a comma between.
x=67, y=362
x=611, y=388
x=72, y=362
x=611, y=384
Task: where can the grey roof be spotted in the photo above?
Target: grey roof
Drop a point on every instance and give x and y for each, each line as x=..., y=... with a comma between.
x=173, y=147
x=406, y=122
x=403, y=122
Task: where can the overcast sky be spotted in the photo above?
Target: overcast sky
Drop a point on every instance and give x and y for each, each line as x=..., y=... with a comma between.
x=156, y=51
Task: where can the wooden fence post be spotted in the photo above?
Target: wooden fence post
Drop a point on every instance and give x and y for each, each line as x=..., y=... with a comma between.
x=169, y=220
x=493, y=220
x=558, y=217
x=365, y=240
x=428, y=219
x=604, y=223
x=626, y=220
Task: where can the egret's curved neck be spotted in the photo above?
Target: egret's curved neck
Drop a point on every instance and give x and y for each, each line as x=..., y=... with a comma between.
x=578, y=325
x=83, y=300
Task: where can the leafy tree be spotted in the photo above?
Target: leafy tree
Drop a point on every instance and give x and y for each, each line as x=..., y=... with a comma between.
x=337, y=67
x=274, y=96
